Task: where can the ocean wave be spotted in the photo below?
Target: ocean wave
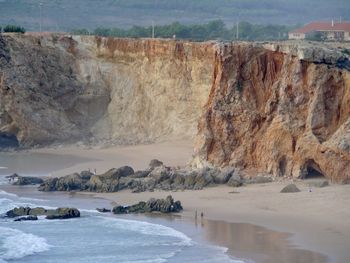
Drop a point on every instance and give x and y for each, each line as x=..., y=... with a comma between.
x=147, y=229
x=17, y=244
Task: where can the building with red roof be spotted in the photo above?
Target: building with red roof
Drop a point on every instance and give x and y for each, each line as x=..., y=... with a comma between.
x=329, y=30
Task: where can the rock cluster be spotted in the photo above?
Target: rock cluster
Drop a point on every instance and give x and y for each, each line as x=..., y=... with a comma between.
x=157, y=176
x=167, y=205
x=27, y=213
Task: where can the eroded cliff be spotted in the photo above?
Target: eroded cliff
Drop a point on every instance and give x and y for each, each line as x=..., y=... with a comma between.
x=60, y=88
x=278, y=111
x=281, y=109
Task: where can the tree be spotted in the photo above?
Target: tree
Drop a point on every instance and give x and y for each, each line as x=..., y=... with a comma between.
x=81, y=31
x=316, y=36
x=14, y=29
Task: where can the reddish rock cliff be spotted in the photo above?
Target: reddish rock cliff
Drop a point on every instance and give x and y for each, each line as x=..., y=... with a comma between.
x=275, y=113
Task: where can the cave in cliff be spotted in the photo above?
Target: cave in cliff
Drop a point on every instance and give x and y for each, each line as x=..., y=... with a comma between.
x=312, y=170
x=8, y=141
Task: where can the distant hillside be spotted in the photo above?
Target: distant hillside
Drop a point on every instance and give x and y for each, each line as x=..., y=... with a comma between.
x=69, y=14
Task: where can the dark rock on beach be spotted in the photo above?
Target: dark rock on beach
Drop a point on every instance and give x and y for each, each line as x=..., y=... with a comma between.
x=71, y=182
x=111, y=181
x=291, y=188
x=26, y=218
x=156, y=177
x=24, y=180
x=166, y=205
x=64, y=213
x=59, y=213
x=103, y=210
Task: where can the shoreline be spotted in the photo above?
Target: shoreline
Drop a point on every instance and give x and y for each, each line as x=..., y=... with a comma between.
x=316, y=221
x=303, y=228
x=241, y=241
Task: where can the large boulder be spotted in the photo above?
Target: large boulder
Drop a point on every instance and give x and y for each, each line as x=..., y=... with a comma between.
x=160, y=173
x=154, y=163
x=71, y=182
x=235, y=180
x=49, y=185
x=64, y=213
x=291, y=188
x=101, y=183
x=166, y=205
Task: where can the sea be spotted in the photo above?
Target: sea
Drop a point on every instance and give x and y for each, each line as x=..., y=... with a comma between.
x=94, y=237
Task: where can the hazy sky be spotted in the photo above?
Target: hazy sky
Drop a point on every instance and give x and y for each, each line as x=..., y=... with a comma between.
x=69, y=14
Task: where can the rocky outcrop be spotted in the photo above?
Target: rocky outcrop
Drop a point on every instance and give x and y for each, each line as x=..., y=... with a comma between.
x=155, y=177
x=31, y=213
x=111, y=181
x=282, y=110
x=166, y=205
x=72, y=182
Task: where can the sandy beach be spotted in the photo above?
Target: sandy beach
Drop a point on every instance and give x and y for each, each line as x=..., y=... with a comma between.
x=172, y=153
x=306, y=221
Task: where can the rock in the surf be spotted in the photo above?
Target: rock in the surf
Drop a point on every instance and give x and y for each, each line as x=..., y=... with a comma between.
x=166, y=205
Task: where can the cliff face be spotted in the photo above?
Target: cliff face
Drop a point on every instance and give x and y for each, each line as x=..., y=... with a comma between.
x=272, y=112
x=281, y=109
x=119, y=90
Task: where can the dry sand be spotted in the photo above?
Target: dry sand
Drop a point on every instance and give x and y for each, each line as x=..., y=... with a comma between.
x=319, y=219
x=174, y=153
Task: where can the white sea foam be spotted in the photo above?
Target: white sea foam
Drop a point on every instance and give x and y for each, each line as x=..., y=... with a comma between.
x=3, y=167
x=7, y=204
x=17, y=244
x=147, y=229
x=94, y=211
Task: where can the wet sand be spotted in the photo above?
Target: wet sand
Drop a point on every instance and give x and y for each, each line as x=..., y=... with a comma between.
x=317, y=220
x=292, y=224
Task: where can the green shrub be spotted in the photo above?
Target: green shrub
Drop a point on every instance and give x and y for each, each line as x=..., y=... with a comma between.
x=14, y=29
